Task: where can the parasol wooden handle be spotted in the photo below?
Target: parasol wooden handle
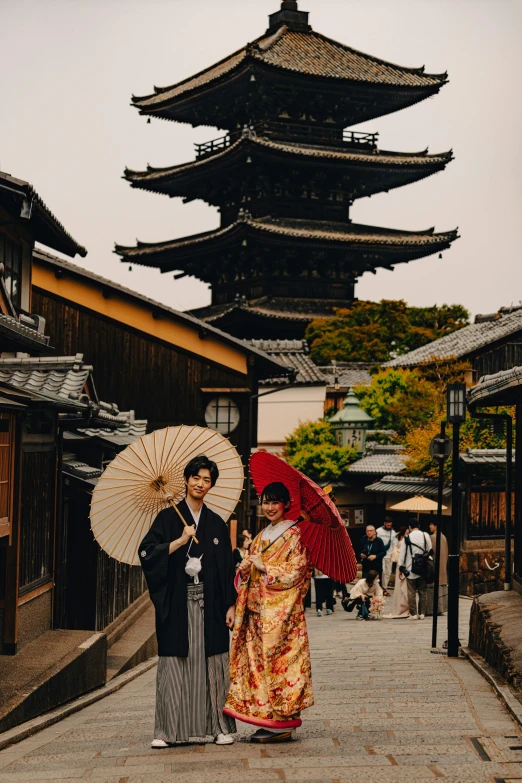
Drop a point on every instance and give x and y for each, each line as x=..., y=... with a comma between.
x=159, y=485
x=180, y=515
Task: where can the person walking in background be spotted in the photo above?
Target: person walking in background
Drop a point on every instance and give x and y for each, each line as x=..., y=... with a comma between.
x=443, y=571
x=399, y=605
x=389, y=538
x=415, y=543
x=324, y=592
x=340, y=589
x=362, y=593
x=372, y=552
x=248, y=538
x=241, y=551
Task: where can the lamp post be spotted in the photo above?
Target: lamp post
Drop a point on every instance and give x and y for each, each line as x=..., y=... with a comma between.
x=456, y=415
x=440, y=450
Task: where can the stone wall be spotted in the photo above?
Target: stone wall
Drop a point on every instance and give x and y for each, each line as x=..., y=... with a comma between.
x=495, y=633
x=34, y=619
x=476, y=578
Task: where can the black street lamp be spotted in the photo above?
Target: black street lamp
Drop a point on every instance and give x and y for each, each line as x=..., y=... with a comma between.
x=440, y=450
x=456, y=415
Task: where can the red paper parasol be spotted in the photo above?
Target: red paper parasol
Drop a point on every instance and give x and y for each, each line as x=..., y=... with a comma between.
x=322, y=529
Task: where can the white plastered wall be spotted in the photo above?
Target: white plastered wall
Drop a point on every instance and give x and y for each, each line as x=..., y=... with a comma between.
x=281, y=412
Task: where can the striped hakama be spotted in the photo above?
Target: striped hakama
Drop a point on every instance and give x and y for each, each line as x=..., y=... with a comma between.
x=191, y=692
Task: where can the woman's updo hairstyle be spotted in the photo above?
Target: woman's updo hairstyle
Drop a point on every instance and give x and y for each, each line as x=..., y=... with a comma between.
x=276, y=492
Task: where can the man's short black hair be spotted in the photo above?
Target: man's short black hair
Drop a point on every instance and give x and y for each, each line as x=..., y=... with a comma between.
x=388, y=519
x=413, y=522
x=276, y=492
x=201, y=462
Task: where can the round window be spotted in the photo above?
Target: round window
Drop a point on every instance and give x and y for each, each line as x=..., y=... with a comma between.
x=222, y=414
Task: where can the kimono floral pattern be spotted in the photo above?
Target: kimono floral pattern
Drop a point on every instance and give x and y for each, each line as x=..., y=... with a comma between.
x=270, y=670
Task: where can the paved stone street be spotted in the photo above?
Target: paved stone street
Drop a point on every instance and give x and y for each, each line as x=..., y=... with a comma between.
x=387, y=710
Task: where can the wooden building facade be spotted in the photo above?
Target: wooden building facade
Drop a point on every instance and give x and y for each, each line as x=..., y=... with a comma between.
x=30, y=419
x=168, y=367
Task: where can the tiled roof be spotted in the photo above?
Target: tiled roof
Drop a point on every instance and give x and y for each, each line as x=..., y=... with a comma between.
x=348, y=374
x=463, y=342
x=293, y=353
x=57, y=376
x=371, y=157
x=380, y=460
x=125, y=434
x=485, y=457
x=306, y=53
x=78, y=469
x=273, y=307
x=316, y=55
x=492, y=388
x=11, y=328
x=45, y=227
x=407, y=485
x=58, y=379
x=152, y=176
x=318, y=230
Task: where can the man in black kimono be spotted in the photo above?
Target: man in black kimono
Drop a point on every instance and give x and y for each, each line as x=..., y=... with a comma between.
x=192, y=588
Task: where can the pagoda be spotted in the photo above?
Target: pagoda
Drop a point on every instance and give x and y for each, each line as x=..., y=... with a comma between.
x=284, y=175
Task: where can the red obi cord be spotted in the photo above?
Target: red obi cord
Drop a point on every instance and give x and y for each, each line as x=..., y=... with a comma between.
x=265, y=722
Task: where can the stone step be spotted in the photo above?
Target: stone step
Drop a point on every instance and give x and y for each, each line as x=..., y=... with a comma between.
x=136, y=645
x=53, y=669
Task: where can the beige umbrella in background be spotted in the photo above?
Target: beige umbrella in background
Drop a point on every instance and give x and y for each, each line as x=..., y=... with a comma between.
x=417, y=504
x=148, y=476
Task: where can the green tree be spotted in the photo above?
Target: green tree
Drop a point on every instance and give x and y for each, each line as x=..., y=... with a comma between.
x=374, y=331
x=311, y=448
x=399, y=399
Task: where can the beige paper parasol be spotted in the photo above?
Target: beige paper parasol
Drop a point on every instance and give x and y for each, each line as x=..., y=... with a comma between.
x=418, y=504
x=148, y=476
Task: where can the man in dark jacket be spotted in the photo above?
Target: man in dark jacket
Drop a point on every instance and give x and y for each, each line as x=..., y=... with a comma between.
x=372, y=552
x=190, y=576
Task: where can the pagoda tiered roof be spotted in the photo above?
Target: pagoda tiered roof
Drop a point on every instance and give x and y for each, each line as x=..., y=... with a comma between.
x=306, y=56
x=361, y=168
x=285, y=176
x=366, y=247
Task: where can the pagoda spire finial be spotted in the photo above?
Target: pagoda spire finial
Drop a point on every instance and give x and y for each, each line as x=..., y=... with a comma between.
x=291, y=16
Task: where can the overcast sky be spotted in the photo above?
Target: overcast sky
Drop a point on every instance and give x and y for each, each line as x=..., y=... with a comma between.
x=70, y=66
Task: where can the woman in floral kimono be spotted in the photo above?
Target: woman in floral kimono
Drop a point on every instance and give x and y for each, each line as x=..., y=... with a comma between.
x=270, y=671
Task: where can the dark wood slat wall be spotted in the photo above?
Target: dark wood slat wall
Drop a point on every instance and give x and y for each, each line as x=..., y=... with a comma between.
x=118, y=586
x=502, y=358
x=37, y=518
x=160, y=382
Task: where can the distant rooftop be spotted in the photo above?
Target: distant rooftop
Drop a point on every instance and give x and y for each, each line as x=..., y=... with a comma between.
x=485, y=457
x=464, y=342
x=380, y=460
x=295, y=354
x=407, y=485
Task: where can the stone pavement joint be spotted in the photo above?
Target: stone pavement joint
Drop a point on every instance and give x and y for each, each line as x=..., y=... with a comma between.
x=387, y=711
